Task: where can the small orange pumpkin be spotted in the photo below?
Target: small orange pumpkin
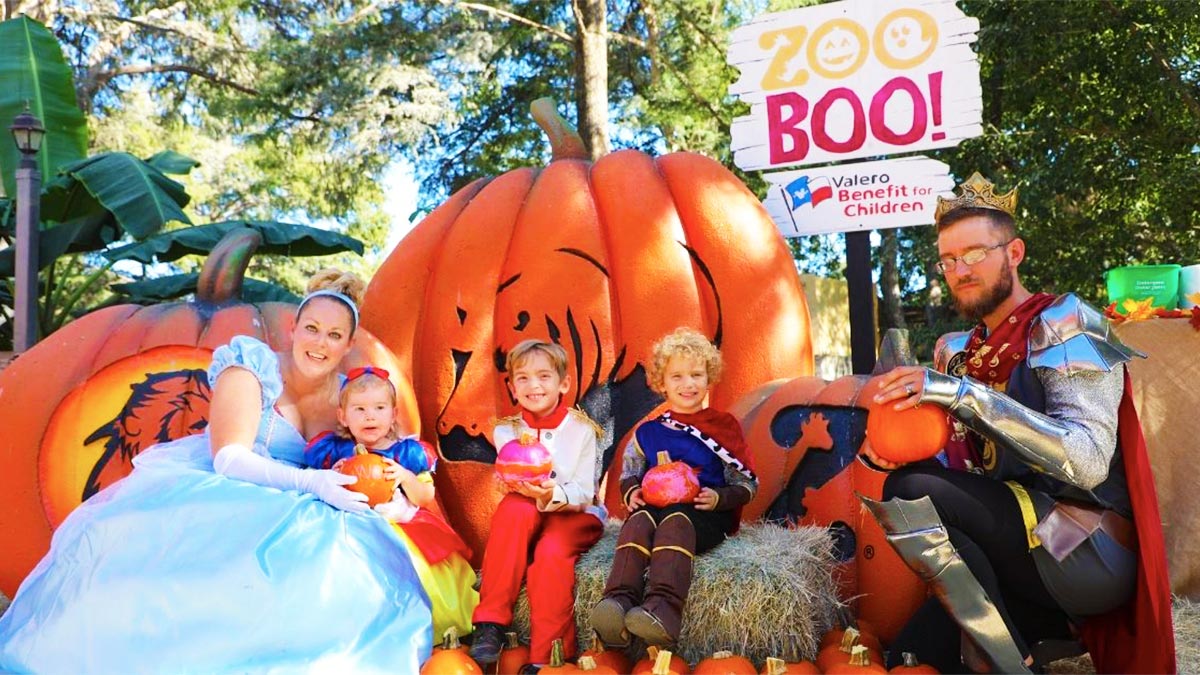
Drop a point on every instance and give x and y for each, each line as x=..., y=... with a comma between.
x=587, y=664
x=613, y=658
x=127, y=377
x=860, y=661
x=908, y=435
x=674, y=663
x=841, y=652
x=911, y=666
x=452, y=658
x=777, y=666
x=725, y=663
x=368, y=468
x=670, y=483
x=513, y=656
x=558, y=664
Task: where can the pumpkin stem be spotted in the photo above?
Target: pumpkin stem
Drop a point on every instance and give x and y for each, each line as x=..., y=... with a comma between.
x=662, y=663
x=586, y=663
x=360, y=449
x=776, y=666
x=910, y=659
x=565, y=142
x=225, y=268
x=450, y=639
x=859, y=656
x=664, y=457
x=557, y=660
x=850, y=638
x=511, y=638
x=723, y=654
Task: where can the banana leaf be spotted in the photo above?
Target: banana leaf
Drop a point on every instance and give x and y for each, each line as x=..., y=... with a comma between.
x=169, y=161
x=52, y=243
x=150, y=291
x=140, y=197
x=278, y=238
x=34, y=72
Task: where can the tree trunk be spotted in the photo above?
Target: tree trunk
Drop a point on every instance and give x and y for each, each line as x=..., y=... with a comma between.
x=591, y=73
x=889, y=280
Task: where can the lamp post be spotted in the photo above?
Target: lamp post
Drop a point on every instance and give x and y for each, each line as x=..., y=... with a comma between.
x=27, y=130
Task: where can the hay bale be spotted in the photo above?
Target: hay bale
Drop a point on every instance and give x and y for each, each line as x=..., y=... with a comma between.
x=768, y=591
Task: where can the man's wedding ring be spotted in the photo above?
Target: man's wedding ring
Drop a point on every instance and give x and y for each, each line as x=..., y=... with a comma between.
x=908, y=389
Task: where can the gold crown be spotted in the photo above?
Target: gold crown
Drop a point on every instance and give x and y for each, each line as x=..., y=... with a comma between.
x=977, y=192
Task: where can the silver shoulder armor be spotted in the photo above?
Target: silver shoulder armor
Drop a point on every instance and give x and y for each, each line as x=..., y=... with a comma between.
x=1071, y=335
x=948, y=346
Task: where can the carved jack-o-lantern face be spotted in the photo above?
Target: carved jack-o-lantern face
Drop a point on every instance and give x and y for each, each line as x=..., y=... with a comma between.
x=602, y=258
x=123, y=379
x=808, y=434
x=838, y=48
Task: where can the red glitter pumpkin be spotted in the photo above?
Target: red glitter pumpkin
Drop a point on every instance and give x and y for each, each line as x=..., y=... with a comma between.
x=524, y=461
x=669, y=483
x=369, y=468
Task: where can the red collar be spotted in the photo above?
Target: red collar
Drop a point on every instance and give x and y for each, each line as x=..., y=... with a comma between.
x=550, y=421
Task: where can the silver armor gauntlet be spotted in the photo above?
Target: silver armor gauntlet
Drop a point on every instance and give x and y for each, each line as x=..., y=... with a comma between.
x=1078, y=361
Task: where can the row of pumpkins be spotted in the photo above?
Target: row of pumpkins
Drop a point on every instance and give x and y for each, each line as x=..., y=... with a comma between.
x=844, y=651
x=602, y=257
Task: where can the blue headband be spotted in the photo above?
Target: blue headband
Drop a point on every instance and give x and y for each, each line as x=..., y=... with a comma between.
x=331, y=294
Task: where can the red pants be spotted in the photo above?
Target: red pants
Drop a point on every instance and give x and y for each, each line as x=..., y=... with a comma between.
x=556, y=541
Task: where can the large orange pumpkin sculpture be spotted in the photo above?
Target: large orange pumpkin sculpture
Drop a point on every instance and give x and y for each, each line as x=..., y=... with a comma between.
x=601, y=257
x=808, y=433
x=80, y=405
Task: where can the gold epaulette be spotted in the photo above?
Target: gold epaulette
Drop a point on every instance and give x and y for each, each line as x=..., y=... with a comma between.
x=581, y=416
x=513, y=421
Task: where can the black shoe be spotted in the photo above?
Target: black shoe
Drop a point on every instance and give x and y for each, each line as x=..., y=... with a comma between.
x=529, y=669
x=485, y=647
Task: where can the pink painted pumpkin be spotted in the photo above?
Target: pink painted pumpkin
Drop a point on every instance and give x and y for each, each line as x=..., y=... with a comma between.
x=524, y=460
x=669, y=483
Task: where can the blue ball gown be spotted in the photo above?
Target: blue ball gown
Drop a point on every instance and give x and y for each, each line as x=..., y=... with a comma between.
x=177, y=569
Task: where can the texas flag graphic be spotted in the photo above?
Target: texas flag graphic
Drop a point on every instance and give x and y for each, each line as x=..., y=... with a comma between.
x=805, y=190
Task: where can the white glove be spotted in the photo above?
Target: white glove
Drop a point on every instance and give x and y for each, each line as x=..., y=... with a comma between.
x=399, y=510
x=237, y=461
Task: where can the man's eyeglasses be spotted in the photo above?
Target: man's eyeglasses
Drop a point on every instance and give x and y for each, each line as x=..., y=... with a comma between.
x=971, y=257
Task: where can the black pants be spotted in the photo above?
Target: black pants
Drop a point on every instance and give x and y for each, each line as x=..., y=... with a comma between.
x=984, y=522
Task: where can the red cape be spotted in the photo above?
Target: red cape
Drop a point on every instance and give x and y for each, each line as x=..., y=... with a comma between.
x=1137, y=637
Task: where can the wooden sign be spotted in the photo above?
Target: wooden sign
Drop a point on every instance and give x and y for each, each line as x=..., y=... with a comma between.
x=860, y=196
x=859, y=78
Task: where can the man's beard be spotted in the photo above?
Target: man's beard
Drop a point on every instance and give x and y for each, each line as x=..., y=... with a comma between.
x=991, y=299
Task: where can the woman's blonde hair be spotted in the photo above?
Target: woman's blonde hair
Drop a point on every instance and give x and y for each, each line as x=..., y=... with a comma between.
x=686, y=342
x=367, y=382
x=343, y=287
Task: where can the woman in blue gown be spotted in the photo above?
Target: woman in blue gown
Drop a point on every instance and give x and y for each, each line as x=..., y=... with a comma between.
x=217, y=554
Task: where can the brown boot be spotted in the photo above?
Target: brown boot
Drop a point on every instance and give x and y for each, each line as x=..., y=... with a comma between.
x=626, y=581
x=660, y=617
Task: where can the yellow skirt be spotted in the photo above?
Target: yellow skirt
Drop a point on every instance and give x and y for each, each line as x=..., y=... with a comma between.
x=450, y=585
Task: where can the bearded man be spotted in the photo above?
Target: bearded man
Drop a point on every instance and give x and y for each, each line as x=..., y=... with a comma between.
x=1042, y=524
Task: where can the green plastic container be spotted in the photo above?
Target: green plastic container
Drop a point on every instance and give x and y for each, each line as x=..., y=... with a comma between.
x=1139, y=282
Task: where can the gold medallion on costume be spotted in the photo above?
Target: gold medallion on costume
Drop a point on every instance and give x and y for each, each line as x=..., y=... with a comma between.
x=988, y=455
x=957, y=365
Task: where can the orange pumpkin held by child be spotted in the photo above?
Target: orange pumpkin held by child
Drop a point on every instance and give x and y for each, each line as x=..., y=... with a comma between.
x=369, y=469
x=125, y=378
x=603, y=257
x=670, y=483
